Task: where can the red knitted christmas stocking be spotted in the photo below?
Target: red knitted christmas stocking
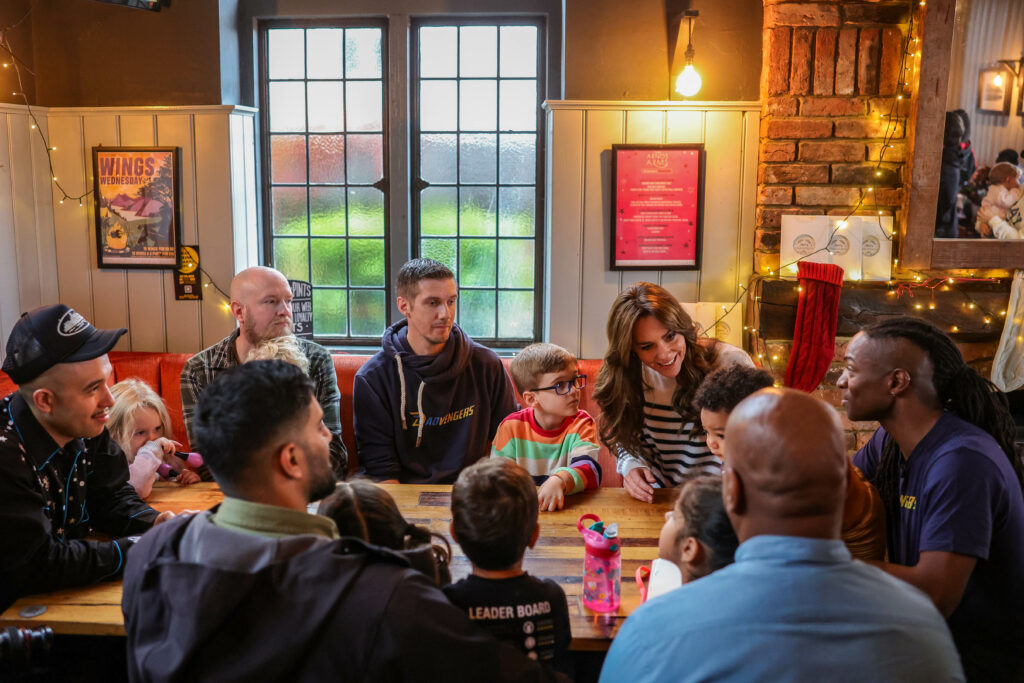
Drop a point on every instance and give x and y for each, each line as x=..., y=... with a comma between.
x=814, y=337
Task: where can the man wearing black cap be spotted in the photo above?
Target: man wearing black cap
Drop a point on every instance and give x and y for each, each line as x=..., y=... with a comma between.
x=61, y=475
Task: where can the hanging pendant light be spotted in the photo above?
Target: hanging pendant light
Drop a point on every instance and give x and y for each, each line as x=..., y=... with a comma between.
x=688, y=83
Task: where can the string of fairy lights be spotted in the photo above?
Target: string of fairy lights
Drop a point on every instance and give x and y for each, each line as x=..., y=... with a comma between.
x=12, y=61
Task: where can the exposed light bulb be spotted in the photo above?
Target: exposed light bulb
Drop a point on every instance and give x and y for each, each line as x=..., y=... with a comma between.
x=997, y=80
x=688, y=83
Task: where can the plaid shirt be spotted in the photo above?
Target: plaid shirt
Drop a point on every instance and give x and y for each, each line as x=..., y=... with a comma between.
x=203, y=368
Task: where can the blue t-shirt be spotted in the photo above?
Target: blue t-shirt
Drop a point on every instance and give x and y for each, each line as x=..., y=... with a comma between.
x=959, y=494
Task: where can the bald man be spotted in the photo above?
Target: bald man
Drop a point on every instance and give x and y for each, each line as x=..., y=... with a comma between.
x=794, y=606
x=261, y=301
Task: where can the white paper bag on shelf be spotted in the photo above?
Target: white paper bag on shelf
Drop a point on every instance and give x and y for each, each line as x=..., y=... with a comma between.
x=876, y=247
x=844, y=248
x=803, y=237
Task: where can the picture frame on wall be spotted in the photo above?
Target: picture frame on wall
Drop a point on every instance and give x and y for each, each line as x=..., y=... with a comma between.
x=657, y=207
x=137, y=193
x=994, y=90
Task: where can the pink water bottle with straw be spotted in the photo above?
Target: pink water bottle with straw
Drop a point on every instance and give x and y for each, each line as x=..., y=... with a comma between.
x=602, y=564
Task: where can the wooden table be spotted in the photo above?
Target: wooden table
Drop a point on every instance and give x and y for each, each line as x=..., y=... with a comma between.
x=96, y=610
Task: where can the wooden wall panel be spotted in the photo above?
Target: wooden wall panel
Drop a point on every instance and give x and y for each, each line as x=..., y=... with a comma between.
x=22, y=195
x=214, y=208
x=46, y=240
x=10, y=300
x=600, y=285
x=564, y=237
x=184, y=326
x=747, y=190
x=730, y=134
x=721, y=205
x=72, y=224
x=109, y=287
x=28, y=272
x=252, y=189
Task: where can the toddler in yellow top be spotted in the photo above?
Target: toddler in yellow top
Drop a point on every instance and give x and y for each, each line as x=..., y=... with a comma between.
x=551, y=438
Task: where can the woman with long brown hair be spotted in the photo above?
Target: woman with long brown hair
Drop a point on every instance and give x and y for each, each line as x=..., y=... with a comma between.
x=645, y=388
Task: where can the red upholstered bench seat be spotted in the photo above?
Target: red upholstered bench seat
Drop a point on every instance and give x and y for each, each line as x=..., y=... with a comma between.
x=162, y=371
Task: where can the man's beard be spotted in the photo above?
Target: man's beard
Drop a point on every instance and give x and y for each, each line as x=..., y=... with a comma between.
x=254, y=339
x=322, y=484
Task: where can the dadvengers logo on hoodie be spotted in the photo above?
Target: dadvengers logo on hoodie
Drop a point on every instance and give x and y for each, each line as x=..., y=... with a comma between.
x=444, y=419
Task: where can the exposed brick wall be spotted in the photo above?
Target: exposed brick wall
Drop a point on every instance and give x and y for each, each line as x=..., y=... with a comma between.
x=830, y=72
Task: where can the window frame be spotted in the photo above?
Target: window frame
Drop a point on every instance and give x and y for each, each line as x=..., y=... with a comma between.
x=384, y=185
x=415, y=186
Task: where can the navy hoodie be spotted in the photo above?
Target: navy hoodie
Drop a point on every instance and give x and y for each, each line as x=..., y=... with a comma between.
x=463, y=394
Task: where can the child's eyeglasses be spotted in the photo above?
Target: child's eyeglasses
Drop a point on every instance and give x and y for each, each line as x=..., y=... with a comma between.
x=564, y=387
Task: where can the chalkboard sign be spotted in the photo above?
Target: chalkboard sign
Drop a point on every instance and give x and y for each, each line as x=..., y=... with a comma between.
x=302, y=308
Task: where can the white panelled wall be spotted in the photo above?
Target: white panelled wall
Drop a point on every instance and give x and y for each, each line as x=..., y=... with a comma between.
x=580, y=287
x=53, y=253
x=55, y=256
x=28, y=262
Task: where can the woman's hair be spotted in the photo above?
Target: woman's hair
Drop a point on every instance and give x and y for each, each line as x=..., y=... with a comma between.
x=960, y=390
x=131, y=395
x=700, y=501
x=362, y=509
x=620, y=387
x=280, y=348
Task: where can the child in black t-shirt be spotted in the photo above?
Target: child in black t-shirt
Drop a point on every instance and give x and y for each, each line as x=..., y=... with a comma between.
x=494, y=519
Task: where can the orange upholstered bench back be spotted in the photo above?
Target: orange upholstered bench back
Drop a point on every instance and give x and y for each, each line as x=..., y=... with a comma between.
x=162, y=371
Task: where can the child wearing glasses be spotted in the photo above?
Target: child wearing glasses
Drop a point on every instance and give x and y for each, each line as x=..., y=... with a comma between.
x=551, y=438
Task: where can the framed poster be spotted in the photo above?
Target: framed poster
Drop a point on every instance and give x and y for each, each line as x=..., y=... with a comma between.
x=138, y=206
x=657, y=207
x=994, y=90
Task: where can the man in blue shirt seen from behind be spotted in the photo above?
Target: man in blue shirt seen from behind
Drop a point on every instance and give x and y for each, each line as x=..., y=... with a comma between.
x=794, y=606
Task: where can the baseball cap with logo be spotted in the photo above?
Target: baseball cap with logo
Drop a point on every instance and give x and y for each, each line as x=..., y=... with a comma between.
x=49, y=335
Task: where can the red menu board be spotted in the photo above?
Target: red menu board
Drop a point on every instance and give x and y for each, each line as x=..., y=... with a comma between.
x=657, y=207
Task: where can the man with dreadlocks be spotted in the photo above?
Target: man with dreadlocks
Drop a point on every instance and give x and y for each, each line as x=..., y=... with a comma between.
x=946, y=468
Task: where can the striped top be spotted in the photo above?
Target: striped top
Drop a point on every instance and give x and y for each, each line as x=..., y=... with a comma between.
x=542, y=452
x=675, y=448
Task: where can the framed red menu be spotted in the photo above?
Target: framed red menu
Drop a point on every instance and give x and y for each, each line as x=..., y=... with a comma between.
x=657, y=207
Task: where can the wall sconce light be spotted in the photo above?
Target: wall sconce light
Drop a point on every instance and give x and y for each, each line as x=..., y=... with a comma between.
x=688, y=83
x=1014, y=65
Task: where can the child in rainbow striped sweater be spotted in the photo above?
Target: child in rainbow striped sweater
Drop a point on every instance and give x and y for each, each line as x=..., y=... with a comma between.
x=551, y=438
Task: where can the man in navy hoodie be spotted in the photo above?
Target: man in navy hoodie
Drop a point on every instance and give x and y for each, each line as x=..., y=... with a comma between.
x=428, y=404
